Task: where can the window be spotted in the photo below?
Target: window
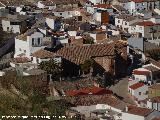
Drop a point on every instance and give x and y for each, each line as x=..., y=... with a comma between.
x=24, y=51
x=146, y=92
x=20, y=49
x=68, y=13
x=139, y=93
x=118, y=21
x=60, y=13
x=140, y=28
x=125, y=23
x=37, y=60
x=39, y=41
x=32, y=41
x=31, y=58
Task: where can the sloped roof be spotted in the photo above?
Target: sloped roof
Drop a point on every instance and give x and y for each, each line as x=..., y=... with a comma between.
x=86, y=91
x=78, y=54
x=43, y=54
x=138, y=72
x=139, y=111
x=87, y=100
x=136, y=86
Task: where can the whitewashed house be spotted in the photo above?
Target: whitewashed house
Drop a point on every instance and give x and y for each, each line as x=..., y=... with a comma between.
x=139, y=91
x=103, y=106
x=28, y=43
x=15, y=23
x=148, y=73
x=106, y=7
x=124, y=21
x=66, y=12
x=136, y=6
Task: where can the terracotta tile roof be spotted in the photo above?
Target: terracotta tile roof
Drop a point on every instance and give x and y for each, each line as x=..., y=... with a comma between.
x=136, y=86
x=15, y=2
x=78, y=54
x=155, y=86
x=86, y=91
x=102, y=6
x=138, y=72
x=152, y=68
x=53, y=2
x=87, y=100
x=154, y=62
x=139, y=111
x=43, y=54
x=21, y=60
x=146, y=23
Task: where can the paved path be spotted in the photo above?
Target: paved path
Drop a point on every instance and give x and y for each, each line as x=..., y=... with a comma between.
x=121, y=89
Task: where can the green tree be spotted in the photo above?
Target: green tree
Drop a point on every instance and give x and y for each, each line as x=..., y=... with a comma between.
x=86, y=66
x=52, y=68
x=88, y=40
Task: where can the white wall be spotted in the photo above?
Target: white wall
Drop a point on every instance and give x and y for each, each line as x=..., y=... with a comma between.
x=25, y=46
x=85, y=109
x=50, y=22
x=140, y=77
x=118, y=23
x=21, y=46
x=35, y=35
x=95, y=1
x=127, y=116
x=2, y=73
x=97, y=16
x=72, y=33
x=143, y=90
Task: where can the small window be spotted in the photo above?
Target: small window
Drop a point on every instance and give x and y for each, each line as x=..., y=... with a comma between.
x=140, y=28
x=68, y=13
x=32, y=41
x=31, y=58
x=39, y=41
x=140, y=93
x=60, y=13
x=125, y=23
x=37, y=60
x=118, y=21
x=146, y=92
x=20, y=49
x=24, y=51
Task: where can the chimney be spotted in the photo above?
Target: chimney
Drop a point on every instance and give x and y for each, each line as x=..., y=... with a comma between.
x=126, y=108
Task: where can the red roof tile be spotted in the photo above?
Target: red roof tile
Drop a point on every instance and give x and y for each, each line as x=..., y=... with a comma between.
x=43, y=54
x=136, y=86
x=146, y=23
x=139, y=111
x=102, y=6
x=138, y=72
x=86, y=91
x=21, y=60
